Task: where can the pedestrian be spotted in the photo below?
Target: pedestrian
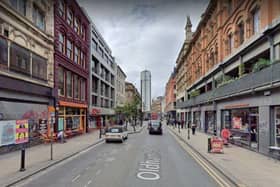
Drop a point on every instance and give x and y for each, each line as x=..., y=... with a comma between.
x=60, y=137
x=193, y=128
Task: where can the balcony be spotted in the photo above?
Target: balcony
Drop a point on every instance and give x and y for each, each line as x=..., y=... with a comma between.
x=243, y=85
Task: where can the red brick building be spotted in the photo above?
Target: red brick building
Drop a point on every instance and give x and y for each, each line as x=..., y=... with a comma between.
x=170, y=96
x=72, y=41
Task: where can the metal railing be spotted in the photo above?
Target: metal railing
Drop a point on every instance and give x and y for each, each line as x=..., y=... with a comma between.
x=249, y=82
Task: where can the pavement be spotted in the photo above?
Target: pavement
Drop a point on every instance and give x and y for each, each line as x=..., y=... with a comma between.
x=245, y=167
x=37, y=158
x=142, y=160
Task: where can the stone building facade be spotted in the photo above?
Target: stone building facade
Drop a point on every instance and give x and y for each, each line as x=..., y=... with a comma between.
x=120, y=87
x=131, y=92
x=26, y=61
x=233, y=73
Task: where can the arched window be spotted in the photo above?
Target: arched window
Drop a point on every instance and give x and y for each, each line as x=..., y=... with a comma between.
x=230, y=43
x=256, y=20
x=241, y=32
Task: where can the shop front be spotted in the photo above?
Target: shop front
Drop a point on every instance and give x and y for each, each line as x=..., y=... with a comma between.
x=210, y=119
x=71, y=117
x=196, y=119
x=95, y=119
x=276, y=126
x=243, y=124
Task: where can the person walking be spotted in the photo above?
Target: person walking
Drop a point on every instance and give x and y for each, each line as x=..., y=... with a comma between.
x=193, y=128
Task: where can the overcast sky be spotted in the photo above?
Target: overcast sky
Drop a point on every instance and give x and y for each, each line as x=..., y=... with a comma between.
x=144, y=34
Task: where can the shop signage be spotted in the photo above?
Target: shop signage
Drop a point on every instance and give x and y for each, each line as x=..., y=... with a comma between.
x=43, y=128
x=236, y=106
x=95, y=111
x=216, y=145
x=7, y=132
x=21, y=131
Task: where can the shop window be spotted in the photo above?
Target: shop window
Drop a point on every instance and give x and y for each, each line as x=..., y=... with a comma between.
x=69, y=49
x=61, y=81
x=19, y=5
x=83, y=89
x=229, y=7
x=77, y=25
x=100, y=51
x=38, y=17
x=61, y=8
x=3, y=52
x=277, y=126
x=83, y=30
x=69, y=85
x=230, y=43
x=39, y=67
x=94, y=44
x=69, y=17
x=77, y=55
x=256, y=20
x=76, y=87
x=241, y=33
x=243, y=126
x=94, y=100
x=61, y=42
x=83, y=63
x=19, y=59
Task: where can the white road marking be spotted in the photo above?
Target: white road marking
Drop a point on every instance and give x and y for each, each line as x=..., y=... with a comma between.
x=78, y=176
x=89, y=182
x=150, y=168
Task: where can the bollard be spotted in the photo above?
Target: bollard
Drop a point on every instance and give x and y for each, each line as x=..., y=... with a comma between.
x=22, y=162
x=209, y=145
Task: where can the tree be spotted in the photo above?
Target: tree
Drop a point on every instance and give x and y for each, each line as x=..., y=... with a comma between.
x=130, y=110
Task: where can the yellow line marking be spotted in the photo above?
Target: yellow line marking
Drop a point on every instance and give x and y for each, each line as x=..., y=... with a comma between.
x=221, y=182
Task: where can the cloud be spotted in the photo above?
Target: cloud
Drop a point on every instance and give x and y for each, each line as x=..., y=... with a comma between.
x=144, y=34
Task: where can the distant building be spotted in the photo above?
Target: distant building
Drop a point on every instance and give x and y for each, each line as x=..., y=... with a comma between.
x=131, y=92
x=157, y=105
x=170, y=97
x=120, y=87
x=146, y=90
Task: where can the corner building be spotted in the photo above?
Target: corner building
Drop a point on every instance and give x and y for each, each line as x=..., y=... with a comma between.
x=71, y=57
x=26, y=62
x=233, y=73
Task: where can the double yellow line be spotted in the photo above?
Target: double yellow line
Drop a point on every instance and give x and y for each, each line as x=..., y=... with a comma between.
x=220, y=181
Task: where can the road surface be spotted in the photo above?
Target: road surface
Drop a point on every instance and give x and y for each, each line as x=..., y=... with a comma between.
x=142, y=161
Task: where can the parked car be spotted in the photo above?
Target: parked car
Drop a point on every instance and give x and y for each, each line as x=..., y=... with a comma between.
x=155, y=127
x=116, y=133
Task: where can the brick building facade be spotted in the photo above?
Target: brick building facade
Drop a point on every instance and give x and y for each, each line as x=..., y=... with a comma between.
x=170, y=97
x=233, y=72
x=72, y=40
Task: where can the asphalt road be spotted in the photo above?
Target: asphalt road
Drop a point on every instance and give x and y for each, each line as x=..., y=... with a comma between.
x=142, y=161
